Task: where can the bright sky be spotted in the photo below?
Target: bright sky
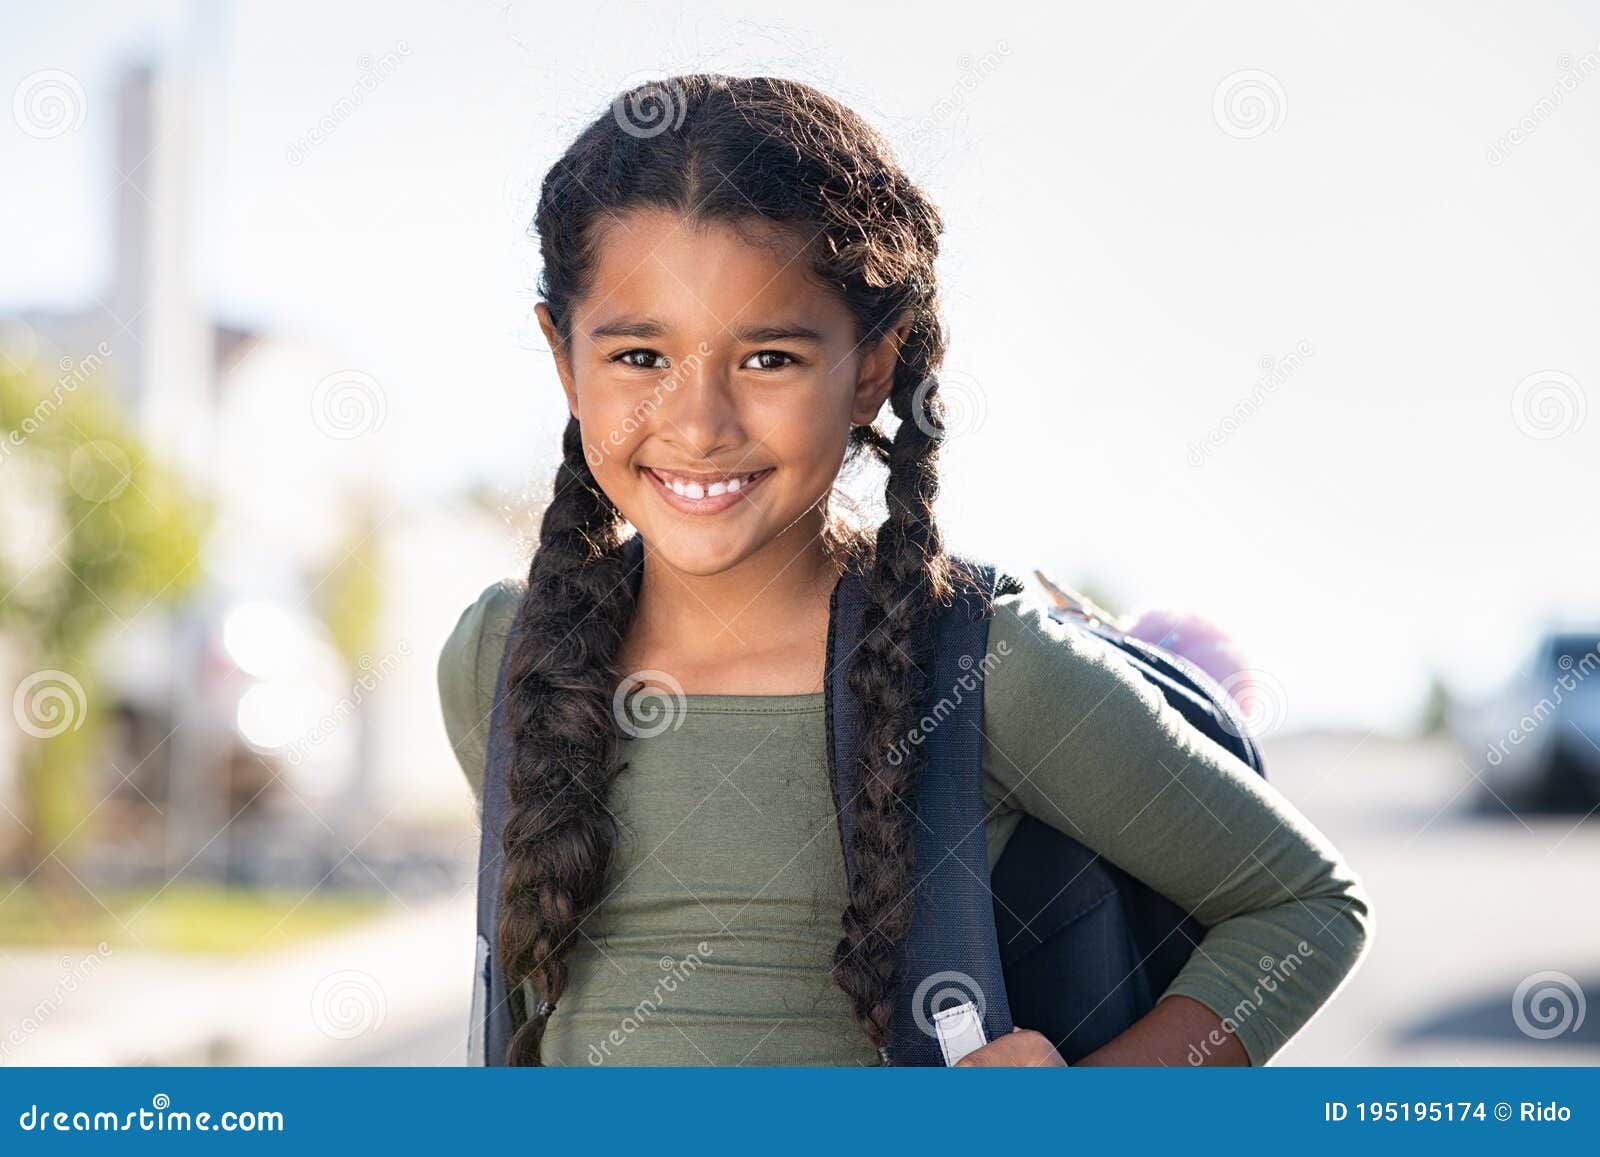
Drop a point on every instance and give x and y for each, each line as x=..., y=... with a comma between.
x=1123, y=251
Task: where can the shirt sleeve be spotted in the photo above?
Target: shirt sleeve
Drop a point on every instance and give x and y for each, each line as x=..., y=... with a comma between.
x=469, y=667
x=1077, y=738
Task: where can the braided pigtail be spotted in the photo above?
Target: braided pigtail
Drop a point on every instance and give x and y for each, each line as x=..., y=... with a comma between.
x=907, y=581
x=560, y=834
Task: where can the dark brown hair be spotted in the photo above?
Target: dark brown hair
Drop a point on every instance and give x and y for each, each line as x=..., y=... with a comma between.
x=726, y=149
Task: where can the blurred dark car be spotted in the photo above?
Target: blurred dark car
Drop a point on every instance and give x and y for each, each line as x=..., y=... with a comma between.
x=1536, y=742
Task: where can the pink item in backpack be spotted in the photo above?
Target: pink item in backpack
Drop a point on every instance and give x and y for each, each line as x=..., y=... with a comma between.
x=1200, y=641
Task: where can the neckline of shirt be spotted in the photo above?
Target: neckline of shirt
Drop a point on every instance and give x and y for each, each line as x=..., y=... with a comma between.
x=722, y=704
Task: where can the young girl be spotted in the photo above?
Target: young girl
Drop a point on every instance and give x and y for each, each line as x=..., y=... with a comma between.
x=732, y=297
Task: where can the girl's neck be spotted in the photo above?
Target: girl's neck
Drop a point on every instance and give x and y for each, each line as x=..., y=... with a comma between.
x=758, y=628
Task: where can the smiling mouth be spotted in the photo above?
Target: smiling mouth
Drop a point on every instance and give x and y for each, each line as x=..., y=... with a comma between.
x=696, y=493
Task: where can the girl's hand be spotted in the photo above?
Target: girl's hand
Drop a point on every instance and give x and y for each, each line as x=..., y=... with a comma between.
x=1019, y=1047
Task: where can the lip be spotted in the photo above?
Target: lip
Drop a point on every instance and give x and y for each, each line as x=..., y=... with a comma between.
x=711, y=504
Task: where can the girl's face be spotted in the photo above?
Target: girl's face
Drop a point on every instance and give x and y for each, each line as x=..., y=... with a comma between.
x=716, y=383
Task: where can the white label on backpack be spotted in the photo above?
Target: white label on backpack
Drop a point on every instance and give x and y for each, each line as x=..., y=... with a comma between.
x=477, y=1045
x=960, y=1031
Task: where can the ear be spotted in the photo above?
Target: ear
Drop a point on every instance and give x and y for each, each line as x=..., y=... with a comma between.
x=875, y=378
x=558, y=351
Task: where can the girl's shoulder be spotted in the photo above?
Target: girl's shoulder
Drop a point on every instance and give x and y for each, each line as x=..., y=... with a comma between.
x=1022, y=629
x=469, y=666
x=1039, y=670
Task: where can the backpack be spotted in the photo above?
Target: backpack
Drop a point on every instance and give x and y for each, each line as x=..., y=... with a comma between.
x=1086, y=948
x=1055, y=939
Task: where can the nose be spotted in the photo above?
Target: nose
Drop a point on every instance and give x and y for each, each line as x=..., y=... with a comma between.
x=701, y=411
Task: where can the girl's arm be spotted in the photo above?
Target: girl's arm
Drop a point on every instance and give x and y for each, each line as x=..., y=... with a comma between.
x=1075, y=737
x=468, y=668
x=1175, y=1032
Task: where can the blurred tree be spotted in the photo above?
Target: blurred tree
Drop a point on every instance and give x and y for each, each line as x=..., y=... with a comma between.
x=92, y=532
x=1436, y=707
x=349, y=594
x=349, y=599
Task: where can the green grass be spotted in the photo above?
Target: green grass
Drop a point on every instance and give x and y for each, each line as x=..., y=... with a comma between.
x=181, y=918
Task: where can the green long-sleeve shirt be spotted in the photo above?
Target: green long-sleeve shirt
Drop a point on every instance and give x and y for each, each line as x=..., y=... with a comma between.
x=714, y=941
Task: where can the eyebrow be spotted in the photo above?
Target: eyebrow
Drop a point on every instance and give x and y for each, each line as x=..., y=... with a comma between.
x=753, y=335
x=640, y=328
x=647, y=328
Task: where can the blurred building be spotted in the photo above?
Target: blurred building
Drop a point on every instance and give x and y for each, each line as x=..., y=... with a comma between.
x=248, y=746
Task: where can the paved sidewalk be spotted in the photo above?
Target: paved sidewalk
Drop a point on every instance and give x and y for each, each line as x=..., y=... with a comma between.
x=339, y=999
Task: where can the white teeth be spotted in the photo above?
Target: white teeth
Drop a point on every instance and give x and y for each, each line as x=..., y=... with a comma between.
x=696, y=491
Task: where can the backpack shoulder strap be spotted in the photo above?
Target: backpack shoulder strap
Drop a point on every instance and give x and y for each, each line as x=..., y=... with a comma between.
x=951, y=955
x=492, y=1024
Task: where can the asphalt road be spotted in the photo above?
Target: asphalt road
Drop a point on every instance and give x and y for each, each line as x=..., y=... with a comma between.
x=1470, y=904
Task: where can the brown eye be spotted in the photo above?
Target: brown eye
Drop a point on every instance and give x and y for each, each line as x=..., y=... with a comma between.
x=642, y=359
x=769, y=360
